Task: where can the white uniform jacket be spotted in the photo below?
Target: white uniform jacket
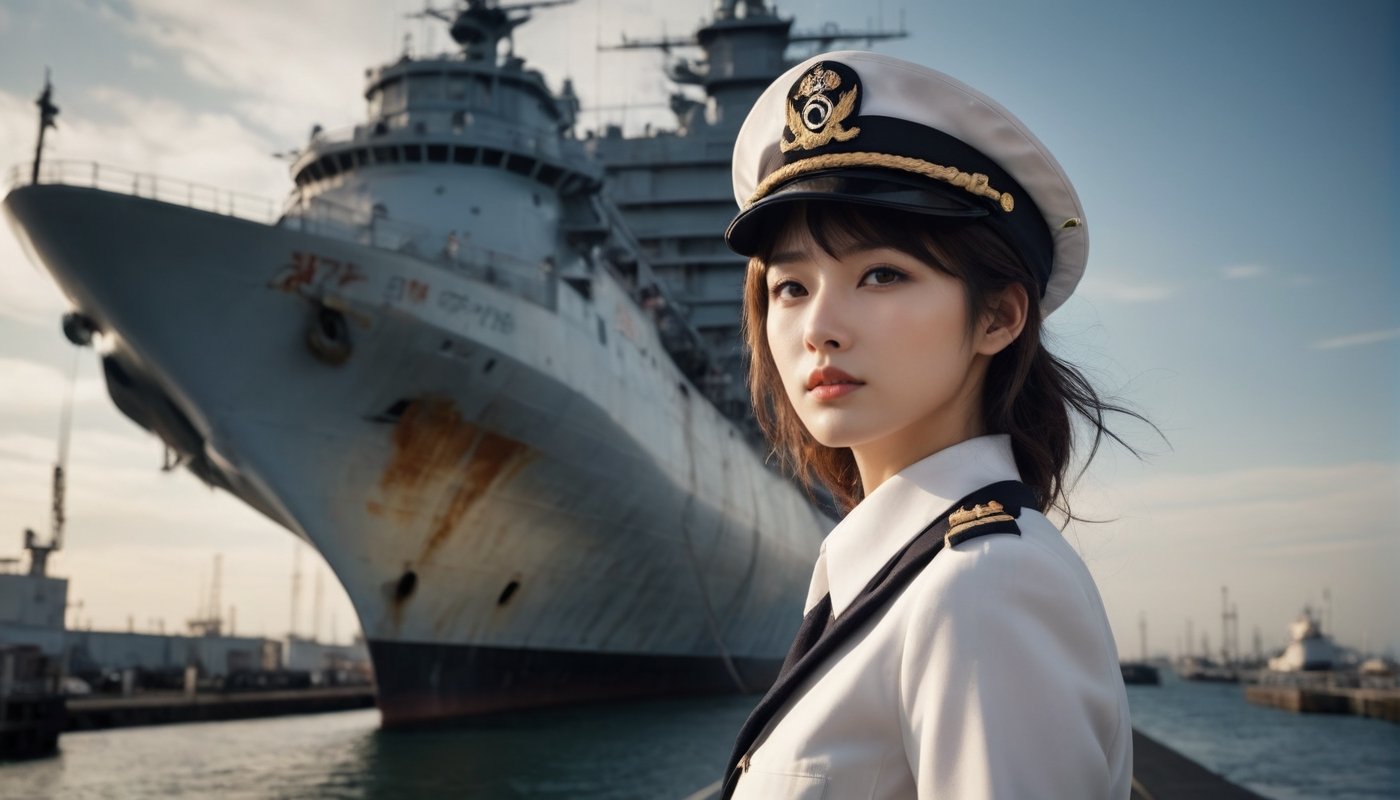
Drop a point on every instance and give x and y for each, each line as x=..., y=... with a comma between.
x=992, y=675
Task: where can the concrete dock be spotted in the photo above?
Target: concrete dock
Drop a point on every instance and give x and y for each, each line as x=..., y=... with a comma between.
x=1375, y=703
x=158, y=708
x=1161, y=773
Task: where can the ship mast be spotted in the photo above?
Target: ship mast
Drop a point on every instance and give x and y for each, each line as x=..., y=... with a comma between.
x=745, y=48
x=47, y=111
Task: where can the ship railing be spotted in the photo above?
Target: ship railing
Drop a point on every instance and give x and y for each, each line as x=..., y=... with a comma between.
x=92, y=175
x=475, y=127
x=533, y=282
x=454, y=252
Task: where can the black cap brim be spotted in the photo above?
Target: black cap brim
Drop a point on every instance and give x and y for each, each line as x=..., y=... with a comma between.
x=877, y=188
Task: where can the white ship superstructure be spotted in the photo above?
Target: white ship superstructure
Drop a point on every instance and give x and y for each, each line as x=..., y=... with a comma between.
x=448, y=367
x=1308, y=650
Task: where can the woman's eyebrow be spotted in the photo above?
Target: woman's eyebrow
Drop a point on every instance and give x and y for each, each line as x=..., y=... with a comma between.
x=793, y=256
x=785, y=257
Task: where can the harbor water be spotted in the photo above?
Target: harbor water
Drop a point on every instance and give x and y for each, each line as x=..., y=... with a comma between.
x=1275, y=753
x=667, y=749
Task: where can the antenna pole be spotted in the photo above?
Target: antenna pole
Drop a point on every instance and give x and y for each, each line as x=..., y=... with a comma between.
x=1142, y=631
x=60, y=484
x=316, y=606
x=47, y=111
x=296, y=586
x=214, y=595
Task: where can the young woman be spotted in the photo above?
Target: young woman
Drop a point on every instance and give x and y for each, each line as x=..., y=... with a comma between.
x=907, y=236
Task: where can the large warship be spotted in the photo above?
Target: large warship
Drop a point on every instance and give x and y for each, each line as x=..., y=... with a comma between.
x=487, y=367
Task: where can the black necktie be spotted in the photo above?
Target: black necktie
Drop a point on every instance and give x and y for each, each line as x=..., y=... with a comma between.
x=813, y=626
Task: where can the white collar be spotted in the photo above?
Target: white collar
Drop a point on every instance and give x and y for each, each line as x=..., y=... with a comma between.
x=892, y=515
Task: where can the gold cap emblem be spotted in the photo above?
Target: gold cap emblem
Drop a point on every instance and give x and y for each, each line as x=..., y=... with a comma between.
x=814, y=118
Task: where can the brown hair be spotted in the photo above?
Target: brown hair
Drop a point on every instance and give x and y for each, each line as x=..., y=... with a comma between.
x=1029, y=394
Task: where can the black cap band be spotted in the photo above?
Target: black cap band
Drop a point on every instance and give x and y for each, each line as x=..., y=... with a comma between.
x=903, y=165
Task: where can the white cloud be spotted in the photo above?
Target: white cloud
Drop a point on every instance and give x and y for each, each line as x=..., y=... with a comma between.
x=1126, y=291
x=141, y=60
x=1276, y=536
x=29, y=295
x=26, y=448
x=1242, y=271
x=259, y=52
x=145, y=135
x=1357, y=339
x=1263, y=503
x=27, y=387
x=157, y=136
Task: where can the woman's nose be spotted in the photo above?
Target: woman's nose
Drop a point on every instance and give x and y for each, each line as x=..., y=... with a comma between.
x=826, y=328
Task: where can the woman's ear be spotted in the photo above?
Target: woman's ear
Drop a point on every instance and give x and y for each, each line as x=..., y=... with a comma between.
x=1003, y=320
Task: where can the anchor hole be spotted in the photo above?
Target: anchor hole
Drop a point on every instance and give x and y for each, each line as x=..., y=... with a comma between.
x=407, y=583
x=507, y=593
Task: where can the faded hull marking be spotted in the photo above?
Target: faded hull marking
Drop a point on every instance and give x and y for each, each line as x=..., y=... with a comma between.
x=309, y=270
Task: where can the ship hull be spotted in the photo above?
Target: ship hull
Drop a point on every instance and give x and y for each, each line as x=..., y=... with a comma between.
x=525, y=501
x=421, y=683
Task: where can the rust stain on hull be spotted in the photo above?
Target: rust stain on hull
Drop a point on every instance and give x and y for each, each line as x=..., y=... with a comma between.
x=494, y=462
x=430, y=439
x=440, y=467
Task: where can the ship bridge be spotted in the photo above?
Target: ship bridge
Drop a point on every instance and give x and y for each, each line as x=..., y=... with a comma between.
x=455, y=111
x=471, y=124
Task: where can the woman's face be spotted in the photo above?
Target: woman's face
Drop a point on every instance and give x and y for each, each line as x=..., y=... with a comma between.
x=874, y=350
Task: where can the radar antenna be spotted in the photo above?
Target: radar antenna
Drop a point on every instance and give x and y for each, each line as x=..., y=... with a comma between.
x=479, y=26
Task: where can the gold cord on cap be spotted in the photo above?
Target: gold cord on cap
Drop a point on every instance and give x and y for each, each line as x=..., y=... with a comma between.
x=974, y=182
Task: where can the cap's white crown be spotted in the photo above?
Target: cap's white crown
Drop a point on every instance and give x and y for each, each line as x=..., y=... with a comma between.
x=894, y=88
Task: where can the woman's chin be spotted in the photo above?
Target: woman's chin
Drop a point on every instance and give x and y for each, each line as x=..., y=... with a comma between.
x=840, y=435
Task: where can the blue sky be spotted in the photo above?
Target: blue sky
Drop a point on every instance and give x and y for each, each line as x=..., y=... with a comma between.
x=1237, y=162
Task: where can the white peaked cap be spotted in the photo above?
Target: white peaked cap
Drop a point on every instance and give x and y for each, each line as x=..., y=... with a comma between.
x=870, y=129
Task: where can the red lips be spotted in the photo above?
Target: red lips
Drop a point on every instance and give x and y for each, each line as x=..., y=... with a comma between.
x=826, y=376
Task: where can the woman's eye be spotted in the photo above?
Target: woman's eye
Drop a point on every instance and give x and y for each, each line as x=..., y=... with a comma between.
x=882, y=276
x=787, y=289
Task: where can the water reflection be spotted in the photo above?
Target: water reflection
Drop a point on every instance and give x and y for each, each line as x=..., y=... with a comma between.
x=664, y=749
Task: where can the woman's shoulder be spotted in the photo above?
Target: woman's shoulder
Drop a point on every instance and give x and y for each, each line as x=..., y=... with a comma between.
x=1035, y=570
x=1005, y=646
x=1015, y=599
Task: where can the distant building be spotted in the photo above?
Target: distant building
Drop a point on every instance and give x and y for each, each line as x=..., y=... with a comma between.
x=329, y=663
x=32, y=609
x=216, y=656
